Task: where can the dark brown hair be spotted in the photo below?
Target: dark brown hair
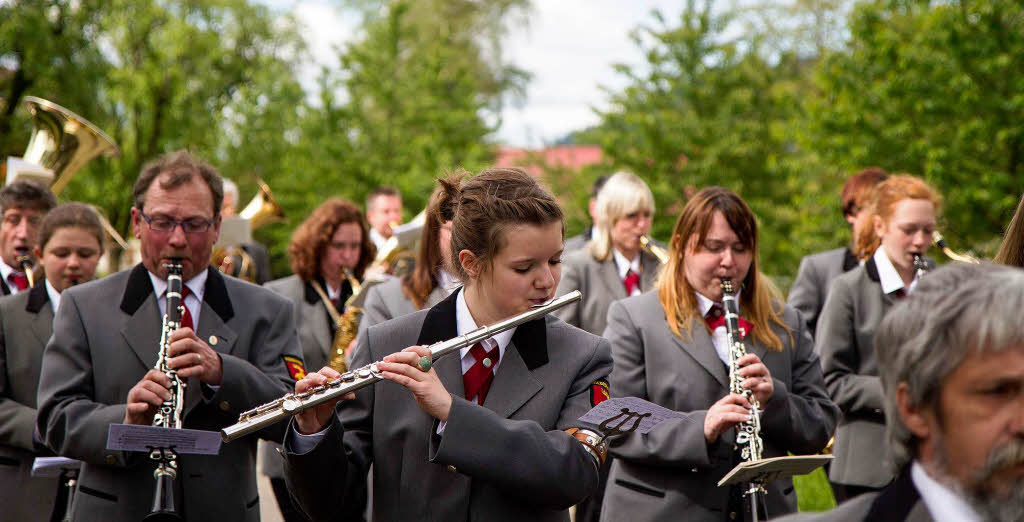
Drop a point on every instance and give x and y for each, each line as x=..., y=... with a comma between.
x=418, y=284
x=181, y=166
x=72, y=214
x=857, y=189
x=490, y=202
x=26, y=194
x=759, y=298
x=314, y=234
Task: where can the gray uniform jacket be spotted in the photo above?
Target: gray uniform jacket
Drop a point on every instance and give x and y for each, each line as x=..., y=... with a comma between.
x=105, y=338
x=600, y=284
x=386, y=301
x=579, y=241
x=846, y=343
x=813, y=279
x=508, y=460
x=316, y=336
x=26, y=321
x=671, y=472
x=898, y=502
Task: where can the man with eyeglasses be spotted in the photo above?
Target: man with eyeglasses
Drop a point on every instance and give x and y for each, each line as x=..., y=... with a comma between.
x=237, y=348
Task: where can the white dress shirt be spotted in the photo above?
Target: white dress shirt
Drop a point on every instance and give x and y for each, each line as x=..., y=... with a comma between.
x=5, y=272
x=889, y=277
x=624, y=266
x=719, y=337
x=194, y=301
x=942, y=502
x=54, y=296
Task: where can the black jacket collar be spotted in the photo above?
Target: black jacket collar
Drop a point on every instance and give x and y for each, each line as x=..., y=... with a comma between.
x=37, y=297
x=895, y=501
x=139, y=289
x=312, y=297
x=530, y=338
x=849, y=260
x=872, y=269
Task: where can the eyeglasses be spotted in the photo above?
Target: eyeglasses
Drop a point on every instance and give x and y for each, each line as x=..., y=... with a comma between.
x=167, y=225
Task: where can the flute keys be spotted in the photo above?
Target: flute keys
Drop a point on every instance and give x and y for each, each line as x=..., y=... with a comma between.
x=290, y=405
x=348, y=376
x=364, y=372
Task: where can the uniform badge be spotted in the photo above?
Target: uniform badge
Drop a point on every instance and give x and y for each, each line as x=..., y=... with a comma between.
x=295, y=367
x=599, y=392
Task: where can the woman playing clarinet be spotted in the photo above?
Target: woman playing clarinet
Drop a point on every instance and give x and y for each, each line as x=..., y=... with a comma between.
x=901, y=221
x=669, y=347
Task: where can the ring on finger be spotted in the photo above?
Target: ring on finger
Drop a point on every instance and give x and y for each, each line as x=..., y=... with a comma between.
x=424, y=364
x=199, y=358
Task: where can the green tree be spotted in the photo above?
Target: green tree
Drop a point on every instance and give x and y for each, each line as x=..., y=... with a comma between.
x=706, y=110
x=934, y=89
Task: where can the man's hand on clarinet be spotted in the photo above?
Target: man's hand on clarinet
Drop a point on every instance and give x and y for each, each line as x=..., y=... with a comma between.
x=192, y=357
x=145, y=398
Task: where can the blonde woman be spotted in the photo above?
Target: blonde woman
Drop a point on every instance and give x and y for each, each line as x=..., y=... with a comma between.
x=613, y=266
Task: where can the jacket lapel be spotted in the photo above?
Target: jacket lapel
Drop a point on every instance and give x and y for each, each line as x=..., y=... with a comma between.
x=609, y=274
x=514, y=384
x=142, y=328
x=42, y=312
x=441, y=325
x=314, y=306
x=899, y=501
x=650, y=267
x=701, y=349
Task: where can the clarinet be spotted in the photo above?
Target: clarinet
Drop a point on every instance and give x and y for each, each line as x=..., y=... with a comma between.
x=169, y=414
x=748, y=434
x=352, y=380
x=920, y=265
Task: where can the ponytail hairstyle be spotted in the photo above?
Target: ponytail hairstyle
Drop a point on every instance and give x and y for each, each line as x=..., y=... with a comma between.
x=487, y=204
x=759, y=299
x=418, y=284
x=882, y=203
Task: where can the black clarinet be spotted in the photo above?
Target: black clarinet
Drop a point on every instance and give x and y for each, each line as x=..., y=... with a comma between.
x=169, y=414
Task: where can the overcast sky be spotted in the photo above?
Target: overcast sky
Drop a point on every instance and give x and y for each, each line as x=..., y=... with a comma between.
x=569, y=47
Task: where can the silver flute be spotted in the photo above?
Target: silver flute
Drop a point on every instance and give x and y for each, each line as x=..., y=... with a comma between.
x=352, y=380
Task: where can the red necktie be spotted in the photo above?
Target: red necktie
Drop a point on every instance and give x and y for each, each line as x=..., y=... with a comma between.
x=478, y=379
x=19, y=280
x=631, y=282
x=186, y=316
x=900, y=294
x=716, y=317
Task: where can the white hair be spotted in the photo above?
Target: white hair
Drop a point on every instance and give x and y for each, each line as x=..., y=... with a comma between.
x=621, y=195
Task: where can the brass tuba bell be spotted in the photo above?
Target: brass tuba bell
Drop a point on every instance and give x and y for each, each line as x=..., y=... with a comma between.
x=263, y=209
x=63, y=141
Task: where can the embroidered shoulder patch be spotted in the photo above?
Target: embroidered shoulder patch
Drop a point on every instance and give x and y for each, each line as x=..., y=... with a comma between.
x=295, y=367
x=599, y=392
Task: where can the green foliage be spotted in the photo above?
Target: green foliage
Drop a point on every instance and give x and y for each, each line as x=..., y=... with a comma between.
x=707, y=111
x=783, y=116
x=935, y=89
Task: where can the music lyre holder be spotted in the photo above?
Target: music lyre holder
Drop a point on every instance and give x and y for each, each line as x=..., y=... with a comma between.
x=607, y=430
x=756, y=474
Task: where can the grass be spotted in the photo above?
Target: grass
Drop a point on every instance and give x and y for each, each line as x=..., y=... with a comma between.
x=813, y=492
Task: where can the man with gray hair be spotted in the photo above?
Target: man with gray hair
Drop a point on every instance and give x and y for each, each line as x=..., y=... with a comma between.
x=951, y=358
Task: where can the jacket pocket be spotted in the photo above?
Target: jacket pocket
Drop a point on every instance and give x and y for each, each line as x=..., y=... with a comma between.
x=96, y=493
x=640, y=488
